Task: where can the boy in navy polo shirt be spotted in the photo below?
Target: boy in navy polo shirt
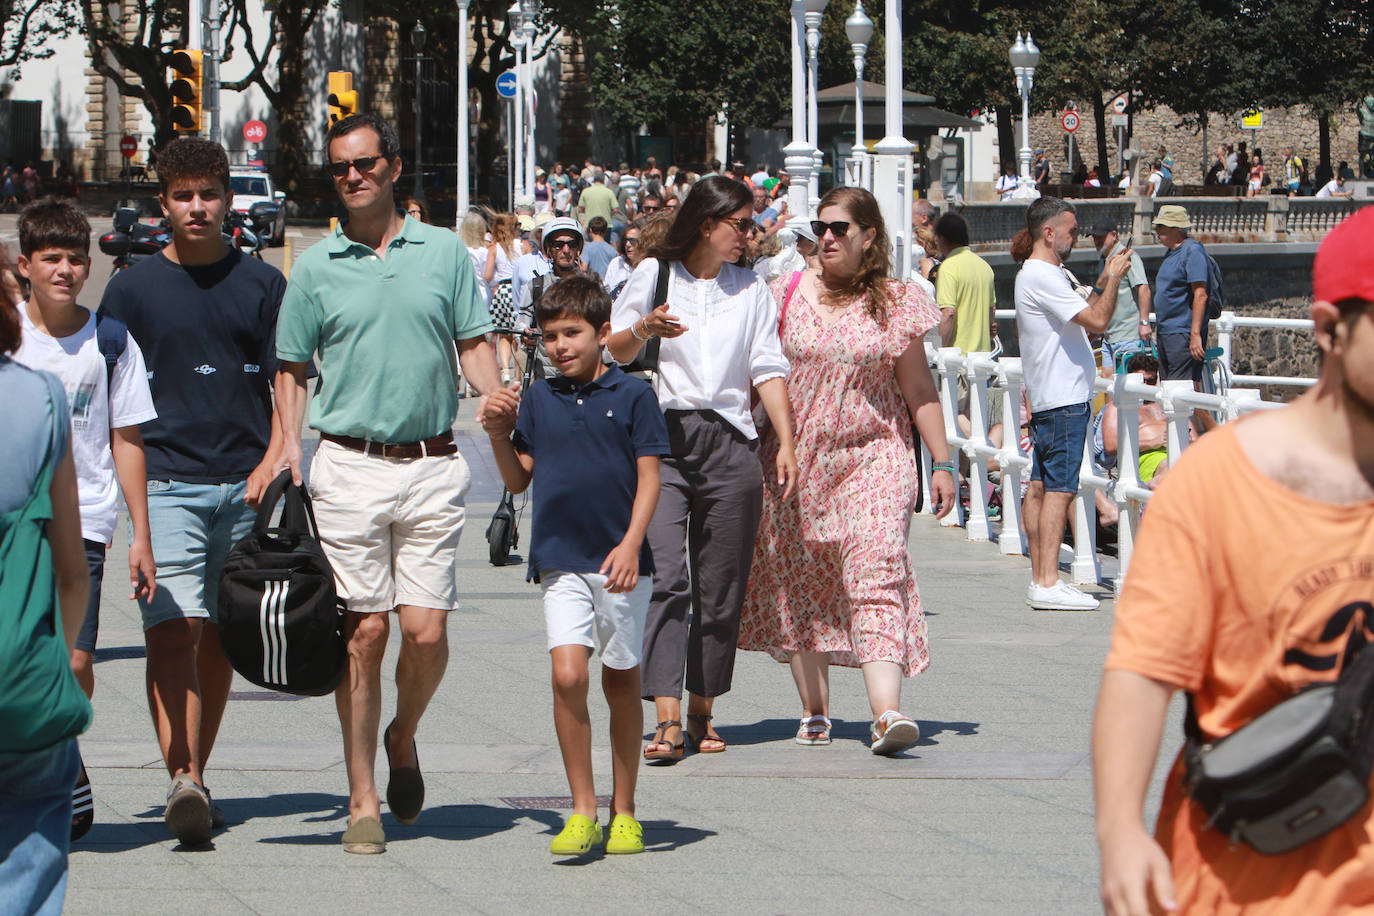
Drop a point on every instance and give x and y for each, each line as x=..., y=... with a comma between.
x=590, y=440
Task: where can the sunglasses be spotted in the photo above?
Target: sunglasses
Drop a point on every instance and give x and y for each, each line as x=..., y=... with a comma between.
x=838, y=228
x=415, y=212
x=631, y=241
x=363, y=164
x=649, y=209
x=559, y=244
x=742, y=224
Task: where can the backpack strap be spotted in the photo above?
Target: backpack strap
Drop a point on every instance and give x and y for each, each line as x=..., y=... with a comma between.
x=112, y=337
x=787, y=296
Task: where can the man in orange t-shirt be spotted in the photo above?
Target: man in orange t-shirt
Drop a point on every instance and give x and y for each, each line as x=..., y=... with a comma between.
x=1253, y=577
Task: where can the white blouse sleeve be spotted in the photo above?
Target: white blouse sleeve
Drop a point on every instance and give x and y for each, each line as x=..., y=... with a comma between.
x=637, y=298
x=765, y=352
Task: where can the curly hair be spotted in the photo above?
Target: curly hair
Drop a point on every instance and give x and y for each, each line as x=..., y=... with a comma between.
x=191, y=157
x=871, y=279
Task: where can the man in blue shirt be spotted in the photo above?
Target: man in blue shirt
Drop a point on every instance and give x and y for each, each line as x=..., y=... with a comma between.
x=1180, y=299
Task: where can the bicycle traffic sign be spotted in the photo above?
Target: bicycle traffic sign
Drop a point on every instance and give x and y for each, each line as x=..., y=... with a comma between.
x=255, y=131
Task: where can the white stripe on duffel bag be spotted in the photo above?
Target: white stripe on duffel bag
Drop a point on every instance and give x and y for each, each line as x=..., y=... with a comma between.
x=272, y=621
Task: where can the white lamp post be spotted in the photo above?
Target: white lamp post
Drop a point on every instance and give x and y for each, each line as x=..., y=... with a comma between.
x=815, y=11
x=1024, y=58
x=531, y=10
x=859, y=28
x=517, y=42
x=797, y=154
x=892, y=154
x=463, y=141
x=417, y=39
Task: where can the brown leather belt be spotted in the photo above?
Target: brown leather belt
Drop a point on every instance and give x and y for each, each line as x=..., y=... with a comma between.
x=441, y=444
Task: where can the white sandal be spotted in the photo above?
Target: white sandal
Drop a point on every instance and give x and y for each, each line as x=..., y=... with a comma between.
x=893, y=733
x=815, y=730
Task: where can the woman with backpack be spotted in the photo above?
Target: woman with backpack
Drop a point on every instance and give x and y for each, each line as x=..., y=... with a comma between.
x=832, y=579
x=43, y=593
x=712, y=483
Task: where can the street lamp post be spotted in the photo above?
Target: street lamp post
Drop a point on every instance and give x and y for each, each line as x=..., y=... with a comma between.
x=797, y=155
x=515, y=164
x=859, y=28
x=464, y=165
x=1024, y=58
x=531, y=9
x=417, y=40
x=892, y=154
x=815, y=11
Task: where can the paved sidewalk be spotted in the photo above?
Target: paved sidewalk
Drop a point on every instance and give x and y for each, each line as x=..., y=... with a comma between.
x=991, y=813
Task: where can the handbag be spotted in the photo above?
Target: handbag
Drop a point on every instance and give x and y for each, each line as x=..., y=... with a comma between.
x=1294, y=773
x=281, y=623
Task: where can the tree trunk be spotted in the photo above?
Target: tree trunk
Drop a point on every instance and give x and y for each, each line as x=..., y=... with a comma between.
x=293, y=161
x=1100, y=116
x=1006, y=135
x=1324, y=141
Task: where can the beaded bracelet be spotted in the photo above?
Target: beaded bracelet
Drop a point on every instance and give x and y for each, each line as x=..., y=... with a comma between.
x=943, y=466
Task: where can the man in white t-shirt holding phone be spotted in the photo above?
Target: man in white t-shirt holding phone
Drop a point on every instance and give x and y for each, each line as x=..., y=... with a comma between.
x=1053, y=322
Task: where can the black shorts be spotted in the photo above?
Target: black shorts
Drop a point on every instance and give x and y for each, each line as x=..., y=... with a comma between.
x=90, y=625
x=1176, y=359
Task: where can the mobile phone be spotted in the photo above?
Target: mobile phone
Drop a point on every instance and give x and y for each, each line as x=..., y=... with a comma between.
x=1128, y=241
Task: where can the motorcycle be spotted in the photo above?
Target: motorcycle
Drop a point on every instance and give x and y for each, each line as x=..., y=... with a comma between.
x=132, y=241
x=240, y=233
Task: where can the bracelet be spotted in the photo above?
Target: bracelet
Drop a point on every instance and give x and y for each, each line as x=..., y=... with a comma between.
x=943, y=466
x=635, y=332
x=1097, y=291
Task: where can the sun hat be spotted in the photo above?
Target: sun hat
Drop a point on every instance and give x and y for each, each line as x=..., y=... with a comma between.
x=1173, y=216
x=1344, y=266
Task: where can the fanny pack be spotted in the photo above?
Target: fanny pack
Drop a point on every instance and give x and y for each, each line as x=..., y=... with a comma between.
x=1294, y=773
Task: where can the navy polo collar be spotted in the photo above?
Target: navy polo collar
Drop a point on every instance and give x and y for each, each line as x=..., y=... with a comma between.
x=611, y=378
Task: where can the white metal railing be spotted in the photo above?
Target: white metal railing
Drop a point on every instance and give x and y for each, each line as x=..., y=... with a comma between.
x=987, y=376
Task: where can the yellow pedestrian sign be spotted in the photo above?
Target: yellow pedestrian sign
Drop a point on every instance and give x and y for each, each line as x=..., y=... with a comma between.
x=1252, y=119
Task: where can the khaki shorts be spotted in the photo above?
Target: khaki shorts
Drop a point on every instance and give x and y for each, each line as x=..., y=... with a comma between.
x=390, y=526
x=994, y=402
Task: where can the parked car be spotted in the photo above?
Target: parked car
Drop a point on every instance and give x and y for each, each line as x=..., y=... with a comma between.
x=257, y=198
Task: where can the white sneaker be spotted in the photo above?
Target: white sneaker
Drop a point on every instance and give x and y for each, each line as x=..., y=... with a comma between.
x=1059, y=597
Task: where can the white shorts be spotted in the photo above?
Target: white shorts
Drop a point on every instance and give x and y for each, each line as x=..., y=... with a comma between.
x=578, y=611
x=390, y=526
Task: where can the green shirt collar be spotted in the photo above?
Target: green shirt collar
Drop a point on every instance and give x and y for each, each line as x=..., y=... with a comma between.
x=410, y=234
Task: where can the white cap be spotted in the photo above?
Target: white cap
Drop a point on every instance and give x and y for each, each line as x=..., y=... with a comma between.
x=525, y=200
x=563, y=224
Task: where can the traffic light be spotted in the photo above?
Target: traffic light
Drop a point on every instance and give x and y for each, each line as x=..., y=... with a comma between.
x=343, y=101
x=186, y=88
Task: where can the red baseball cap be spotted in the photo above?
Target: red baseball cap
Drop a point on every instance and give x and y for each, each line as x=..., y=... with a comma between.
x=1344, y=267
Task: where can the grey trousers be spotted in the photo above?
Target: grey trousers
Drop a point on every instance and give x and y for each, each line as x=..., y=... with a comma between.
x=702, y=538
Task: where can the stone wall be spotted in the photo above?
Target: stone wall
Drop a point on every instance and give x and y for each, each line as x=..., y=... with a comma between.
x=1282, y=126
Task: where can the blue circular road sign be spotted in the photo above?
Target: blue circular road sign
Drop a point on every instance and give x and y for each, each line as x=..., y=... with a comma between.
x=505, y=85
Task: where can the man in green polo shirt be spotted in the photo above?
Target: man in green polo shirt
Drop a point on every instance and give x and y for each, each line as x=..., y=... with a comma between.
x=598, y=200
x=383, y=300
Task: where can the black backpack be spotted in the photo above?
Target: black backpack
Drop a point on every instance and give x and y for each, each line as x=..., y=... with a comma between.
x=280, y=619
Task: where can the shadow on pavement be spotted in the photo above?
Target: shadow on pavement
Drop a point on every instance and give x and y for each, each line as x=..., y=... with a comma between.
x=108, y=837
x=445, y=822
x=765, y=731
x=659, y=836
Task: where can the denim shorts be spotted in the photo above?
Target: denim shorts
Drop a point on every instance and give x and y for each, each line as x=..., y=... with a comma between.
x=90, y=625
x=1057, y=437
x=36, y=828
x=193, y=527
x=1110, y=351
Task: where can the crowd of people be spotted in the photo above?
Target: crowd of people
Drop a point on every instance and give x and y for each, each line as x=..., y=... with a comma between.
x=720, y=447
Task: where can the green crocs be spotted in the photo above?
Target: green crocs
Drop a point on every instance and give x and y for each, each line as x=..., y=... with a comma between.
x=579, y=835
x=624, y=837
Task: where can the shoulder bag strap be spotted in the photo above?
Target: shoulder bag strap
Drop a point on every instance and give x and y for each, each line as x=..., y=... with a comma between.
x=649, y=361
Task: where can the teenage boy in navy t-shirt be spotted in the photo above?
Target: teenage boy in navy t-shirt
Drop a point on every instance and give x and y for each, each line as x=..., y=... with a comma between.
x=205, y=316
x=590, y=440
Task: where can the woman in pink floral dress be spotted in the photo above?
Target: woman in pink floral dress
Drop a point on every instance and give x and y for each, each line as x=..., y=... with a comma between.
x=831, y=581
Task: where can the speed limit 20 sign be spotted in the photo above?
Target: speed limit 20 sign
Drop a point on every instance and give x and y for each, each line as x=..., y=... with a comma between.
x=1070, y=121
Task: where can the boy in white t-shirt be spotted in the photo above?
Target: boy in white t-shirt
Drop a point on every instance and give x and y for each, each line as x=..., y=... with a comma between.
x=1052, y=323
x=107, y=403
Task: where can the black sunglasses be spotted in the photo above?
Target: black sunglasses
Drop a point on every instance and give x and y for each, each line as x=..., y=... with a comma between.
x=557, y=244
x=363, y=164
x=838, y=228
x=649, y=209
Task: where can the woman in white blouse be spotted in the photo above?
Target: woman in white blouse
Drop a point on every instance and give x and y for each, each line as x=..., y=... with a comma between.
x=718, y=333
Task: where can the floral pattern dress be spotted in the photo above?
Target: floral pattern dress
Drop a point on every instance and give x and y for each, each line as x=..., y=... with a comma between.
x=831, y=572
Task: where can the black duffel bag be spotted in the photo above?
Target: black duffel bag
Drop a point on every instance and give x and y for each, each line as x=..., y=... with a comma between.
x=1294, y=773
x=280, y=619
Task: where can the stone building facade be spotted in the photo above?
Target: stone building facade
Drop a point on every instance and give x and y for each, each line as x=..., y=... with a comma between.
x=1282, y=127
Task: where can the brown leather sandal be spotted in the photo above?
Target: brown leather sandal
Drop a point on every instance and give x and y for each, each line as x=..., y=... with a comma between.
x=705, y=735
x=675, y=751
